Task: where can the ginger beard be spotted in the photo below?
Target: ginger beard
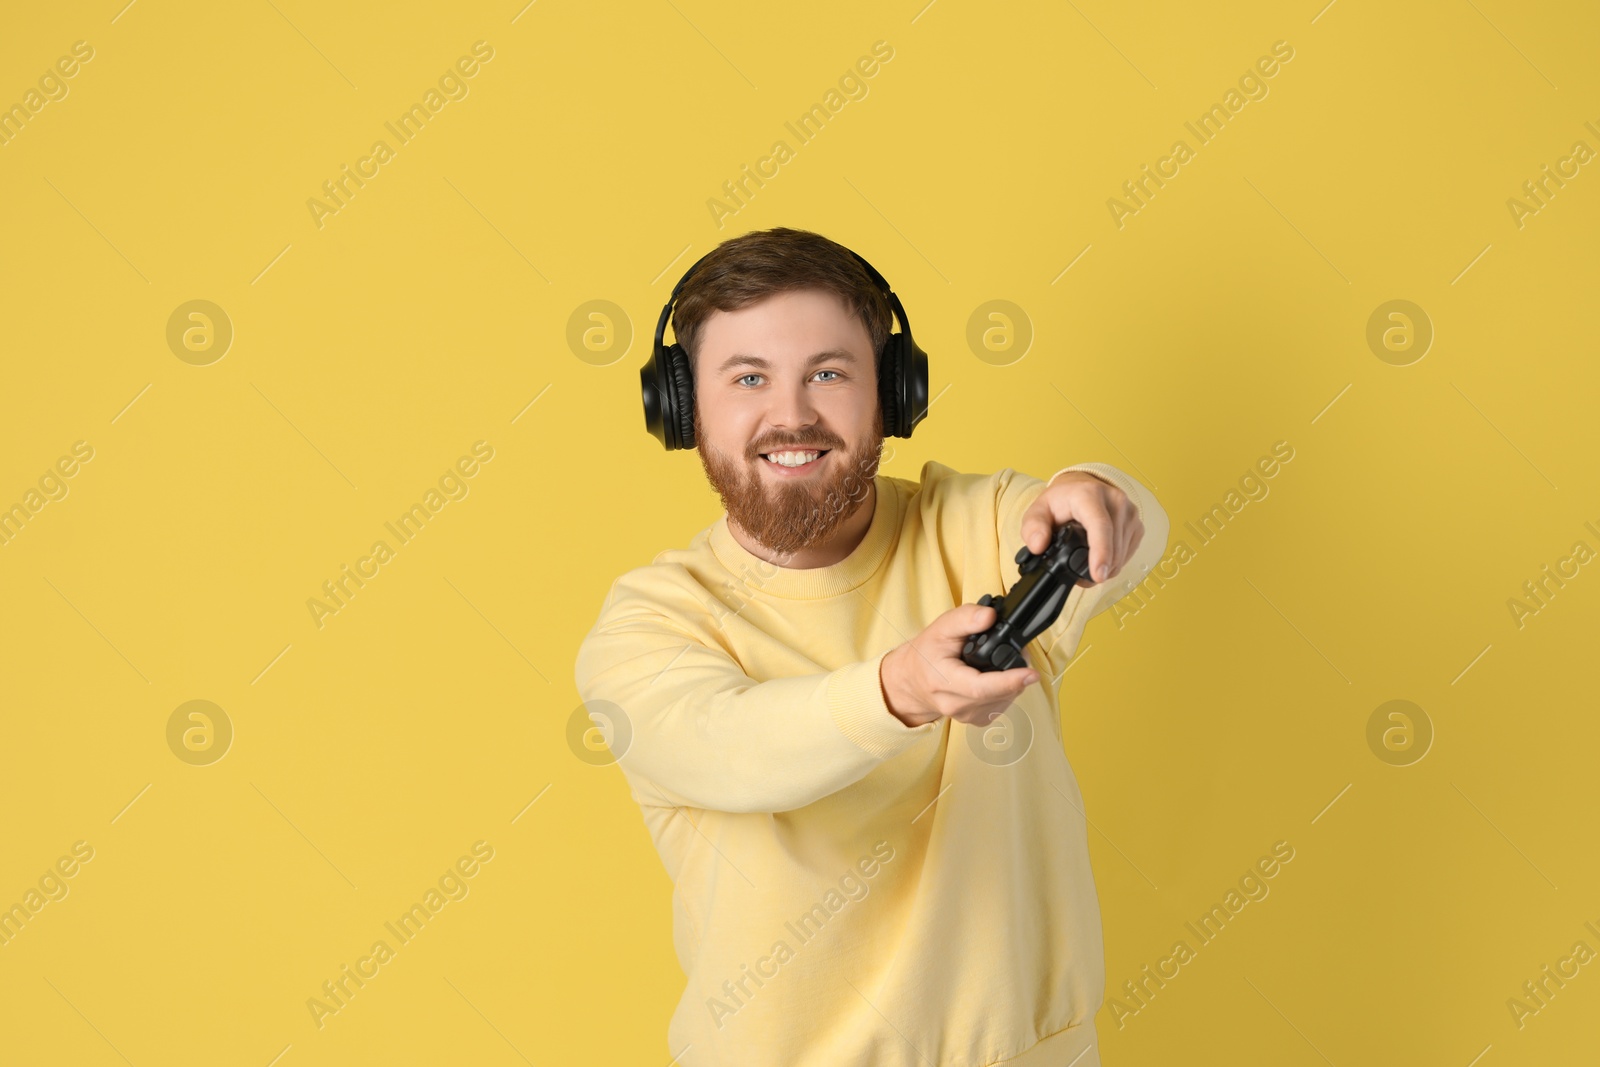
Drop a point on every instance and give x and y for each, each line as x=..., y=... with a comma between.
x=790, y=514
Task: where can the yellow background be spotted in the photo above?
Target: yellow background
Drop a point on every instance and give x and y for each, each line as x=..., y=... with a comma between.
x=369, y=353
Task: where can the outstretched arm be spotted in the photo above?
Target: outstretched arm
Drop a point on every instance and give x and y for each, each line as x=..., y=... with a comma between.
x=704, y=734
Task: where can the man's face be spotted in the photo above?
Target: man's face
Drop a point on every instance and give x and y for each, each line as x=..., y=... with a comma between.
x=792, y=372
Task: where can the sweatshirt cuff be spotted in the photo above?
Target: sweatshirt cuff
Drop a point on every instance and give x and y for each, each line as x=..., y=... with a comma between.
x=1106, y=473
x=855, y=700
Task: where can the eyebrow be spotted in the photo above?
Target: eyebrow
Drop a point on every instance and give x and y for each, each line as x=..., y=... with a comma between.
x=742, y=360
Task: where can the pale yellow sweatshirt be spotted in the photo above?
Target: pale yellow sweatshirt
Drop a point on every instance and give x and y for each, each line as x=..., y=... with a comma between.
x=848, y=890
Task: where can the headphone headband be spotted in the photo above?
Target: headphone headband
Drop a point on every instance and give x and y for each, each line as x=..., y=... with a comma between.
x=896, y=310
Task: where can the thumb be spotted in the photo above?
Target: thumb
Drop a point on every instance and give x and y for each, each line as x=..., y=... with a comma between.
x=965, y=619
x=1036, y=531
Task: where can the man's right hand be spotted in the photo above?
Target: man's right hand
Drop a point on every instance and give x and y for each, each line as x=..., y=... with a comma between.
x=926, y=679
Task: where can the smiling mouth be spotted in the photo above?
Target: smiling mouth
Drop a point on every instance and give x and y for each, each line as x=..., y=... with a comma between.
x=794, y=458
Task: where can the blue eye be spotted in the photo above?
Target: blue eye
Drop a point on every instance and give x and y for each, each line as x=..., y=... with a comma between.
x=744, y=378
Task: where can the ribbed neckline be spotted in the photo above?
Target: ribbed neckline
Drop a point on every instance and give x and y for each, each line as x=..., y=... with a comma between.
x=814, y=583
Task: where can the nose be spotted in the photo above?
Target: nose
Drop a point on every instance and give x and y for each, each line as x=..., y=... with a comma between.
x=792, y=408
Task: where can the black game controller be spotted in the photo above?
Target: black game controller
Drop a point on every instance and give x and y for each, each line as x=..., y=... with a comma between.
x=1033, y=603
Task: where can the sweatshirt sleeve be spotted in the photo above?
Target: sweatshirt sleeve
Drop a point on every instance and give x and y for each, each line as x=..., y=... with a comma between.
x=1058, y=643
x=701, y=733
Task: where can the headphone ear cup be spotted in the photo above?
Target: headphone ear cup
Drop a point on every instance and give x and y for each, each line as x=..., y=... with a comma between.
x=682, y=385
x=914, y=386
x=889, y=372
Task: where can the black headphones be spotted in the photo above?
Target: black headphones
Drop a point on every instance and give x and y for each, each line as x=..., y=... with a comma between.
x=668, y=382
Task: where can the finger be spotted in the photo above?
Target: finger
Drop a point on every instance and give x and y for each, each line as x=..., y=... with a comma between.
x=1097, y=525
x=1119, y=556
x=956, y=625
x=1037, y=527
x=1130, y=534
x=1001, y=685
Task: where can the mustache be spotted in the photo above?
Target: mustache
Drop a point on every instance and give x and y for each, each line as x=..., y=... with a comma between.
x=817, y=440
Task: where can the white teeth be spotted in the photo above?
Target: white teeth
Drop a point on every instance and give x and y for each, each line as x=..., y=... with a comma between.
x=792, y=459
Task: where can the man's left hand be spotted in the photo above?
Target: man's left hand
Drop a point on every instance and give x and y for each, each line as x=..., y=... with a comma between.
x=1109, y=518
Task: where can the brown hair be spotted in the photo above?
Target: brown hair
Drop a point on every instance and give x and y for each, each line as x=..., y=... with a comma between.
x=753, y=266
